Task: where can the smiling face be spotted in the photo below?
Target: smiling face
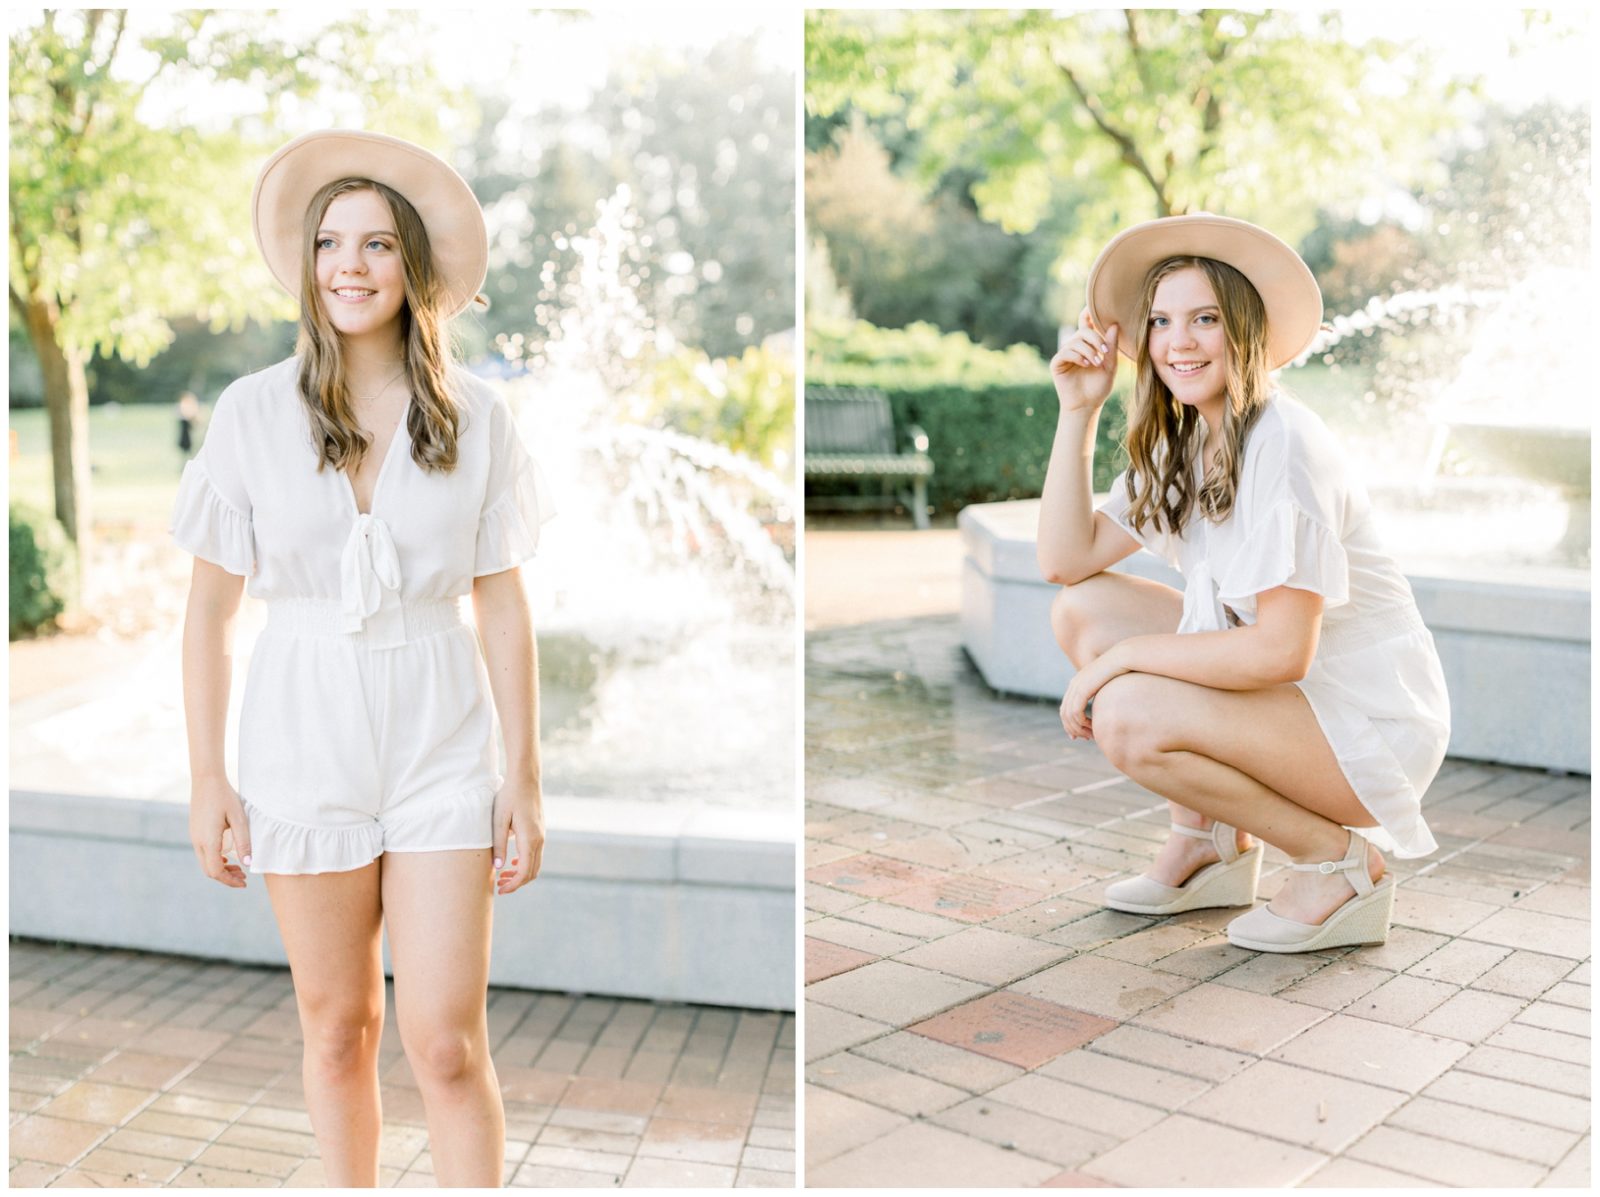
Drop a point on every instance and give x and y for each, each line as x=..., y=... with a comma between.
x=1187, y=344
x=360, y=271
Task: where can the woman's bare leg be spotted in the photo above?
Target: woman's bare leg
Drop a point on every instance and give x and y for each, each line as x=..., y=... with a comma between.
x=1107, y=608
x=331, y=924
x=1090, y=617
x=1256, y=759
x=439, y=910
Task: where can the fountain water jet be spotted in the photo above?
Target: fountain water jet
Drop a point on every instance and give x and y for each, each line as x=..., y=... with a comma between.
x=664, y=603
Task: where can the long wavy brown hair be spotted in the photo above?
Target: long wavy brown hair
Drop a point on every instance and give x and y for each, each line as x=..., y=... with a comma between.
x=434, y=418
x=1163, y=434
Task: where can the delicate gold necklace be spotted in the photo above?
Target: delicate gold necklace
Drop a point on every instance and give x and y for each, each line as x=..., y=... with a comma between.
x=372, y=398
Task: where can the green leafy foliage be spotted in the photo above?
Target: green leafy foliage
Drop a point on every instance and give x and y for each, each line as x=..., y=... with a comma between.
x=700, y=143
x=910, y=255
x=43, y=567
x=1096, y=120
x=989, y=415
x=857, y=353
x=743, y=403
x=124, y=223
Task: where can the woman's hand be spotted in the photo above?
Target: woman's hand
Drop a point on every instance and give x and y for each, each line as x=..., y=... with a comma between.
x=1086, y=683
x=1086, y=366
x=518, y=811
x=216, y=820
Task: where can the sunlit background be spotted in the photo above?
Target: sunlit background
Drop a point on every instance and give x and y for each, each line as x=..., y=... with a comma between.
x=963, y=169
x=637, y=172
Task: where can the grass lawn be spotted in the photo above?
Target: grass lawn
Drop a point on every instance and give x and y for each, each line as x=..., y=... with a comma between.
x=134, y=463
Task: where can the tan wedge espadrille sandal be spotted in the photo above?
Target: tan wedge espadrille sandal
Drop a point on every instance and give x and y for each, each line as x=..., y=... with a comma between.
x=1229, y=882
x=1364, y=918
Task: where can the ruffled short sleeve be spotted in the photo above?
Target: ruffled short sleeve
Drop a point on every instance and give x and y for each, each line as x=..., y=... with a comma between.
x=517, y=499
x=1287, y=547
x=1162, y=544
x=1293, y=506
x=211, y=517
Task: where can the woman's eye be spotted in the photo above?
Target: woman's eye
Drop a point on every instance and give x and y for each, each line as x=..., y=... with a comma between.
x=324, y=242
x=1208, y=318
x=376, y=244
x=1158, y=320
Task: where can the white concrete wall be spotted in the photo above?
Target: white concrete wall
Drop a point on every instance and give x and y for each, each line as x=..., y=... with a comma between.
x=634, y=899
x=1516, y=656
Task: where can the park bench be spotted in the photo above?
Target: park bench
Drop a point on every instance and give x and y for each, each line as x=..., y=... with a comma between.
x=850, y=434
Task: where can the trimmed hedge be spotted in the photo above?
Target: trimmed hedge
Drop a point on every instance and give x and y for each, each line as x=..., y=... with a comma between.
x=43, y=570
x=855, y=353
x=992, y=443
x=990, y=416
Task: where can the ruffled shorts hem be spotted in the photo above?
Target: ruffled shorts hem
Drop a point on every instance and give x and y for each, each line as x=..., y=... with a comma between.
x=458, y=822
x=1376, y=775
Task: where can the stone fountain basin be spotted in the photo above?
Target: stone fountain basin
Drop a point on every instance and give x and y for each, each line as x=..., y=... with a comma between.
x=1552, y=455
x=635, y=899
x=638, y=897
x=571, y=668
x=1515, y=652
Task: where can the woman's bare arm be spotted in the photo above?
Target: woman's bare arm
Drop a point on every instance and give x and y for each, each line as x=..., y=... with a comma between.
x=505, y=627
x=1075, y=541
x=214, y=807
x=1277, y=648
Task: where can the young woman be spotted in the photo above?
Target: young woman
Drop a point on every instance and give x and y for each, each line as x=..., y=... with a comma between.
x=1291, y=693
x=363, y=486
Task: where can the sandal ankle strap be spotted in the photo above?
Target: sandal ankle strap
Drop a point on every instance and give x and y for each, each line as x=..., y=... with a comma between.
x=1354, y=862
x=1223, y=838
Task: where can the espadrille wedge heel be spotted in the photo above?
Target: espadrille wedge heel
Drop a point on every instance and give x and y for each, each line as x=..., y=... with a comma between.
x=1229, y=882
x=1364, y=918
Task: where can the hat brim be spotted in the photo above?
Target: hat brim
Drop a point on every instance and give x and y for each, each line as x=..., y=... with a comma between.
x=449, y=210
x=1285, y=283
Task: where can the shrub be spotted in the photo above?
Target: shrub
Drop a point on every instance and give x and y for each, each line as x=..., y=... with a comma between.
x=743, y=403
x=43, y=570
x=856, y=353
x=990, y=416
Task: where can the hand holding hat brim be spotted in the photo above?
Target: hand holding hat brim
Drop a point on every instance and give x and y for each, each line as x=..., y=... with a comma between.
x=1285, y=283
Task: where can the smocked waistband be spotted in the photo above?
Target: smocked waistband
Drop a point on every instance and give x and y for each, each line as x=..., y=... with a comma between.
x=1369, y=628
x=392, y=623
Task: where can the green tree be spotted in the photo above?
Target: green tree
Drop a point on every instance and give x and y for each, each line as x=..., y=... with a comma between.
x=1515, y=198
x=119, y=222
x=1118, y=116
x=702, y=141
x=906, y=256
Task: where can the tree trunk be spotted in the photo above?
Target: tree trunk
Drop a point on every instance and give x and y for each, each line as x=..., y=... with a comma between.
x=66, y=397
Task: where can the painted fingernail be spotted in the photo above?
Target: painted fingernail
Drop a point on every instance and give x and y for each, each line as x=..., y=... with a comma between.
x=498, y=862
x=247, y=858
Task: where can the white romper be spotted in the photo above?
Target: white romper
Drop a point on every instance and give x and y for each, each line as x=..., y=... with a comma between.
x=1302, y=518
x=367, y=724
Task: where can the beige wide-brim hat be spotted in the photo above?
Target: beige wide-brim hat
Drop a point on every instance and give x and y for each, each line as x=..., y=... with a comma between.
x=1285, y=283
x=449, y=210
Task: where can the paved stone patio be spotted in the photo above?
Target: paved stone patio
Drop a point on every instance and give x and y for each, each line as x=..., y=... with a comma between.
x=974, y=1016
x=134, y=1069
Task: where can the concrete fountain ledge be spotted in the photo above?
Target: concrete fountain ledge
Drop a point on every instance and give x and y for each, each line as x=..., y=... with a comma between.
x=635, y=899
x=1515, y=653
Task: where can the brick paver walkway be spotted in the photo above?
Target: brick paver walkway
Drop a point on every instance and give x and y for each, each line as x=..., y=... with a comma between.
x=132, y=1069
x=974, y=1016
